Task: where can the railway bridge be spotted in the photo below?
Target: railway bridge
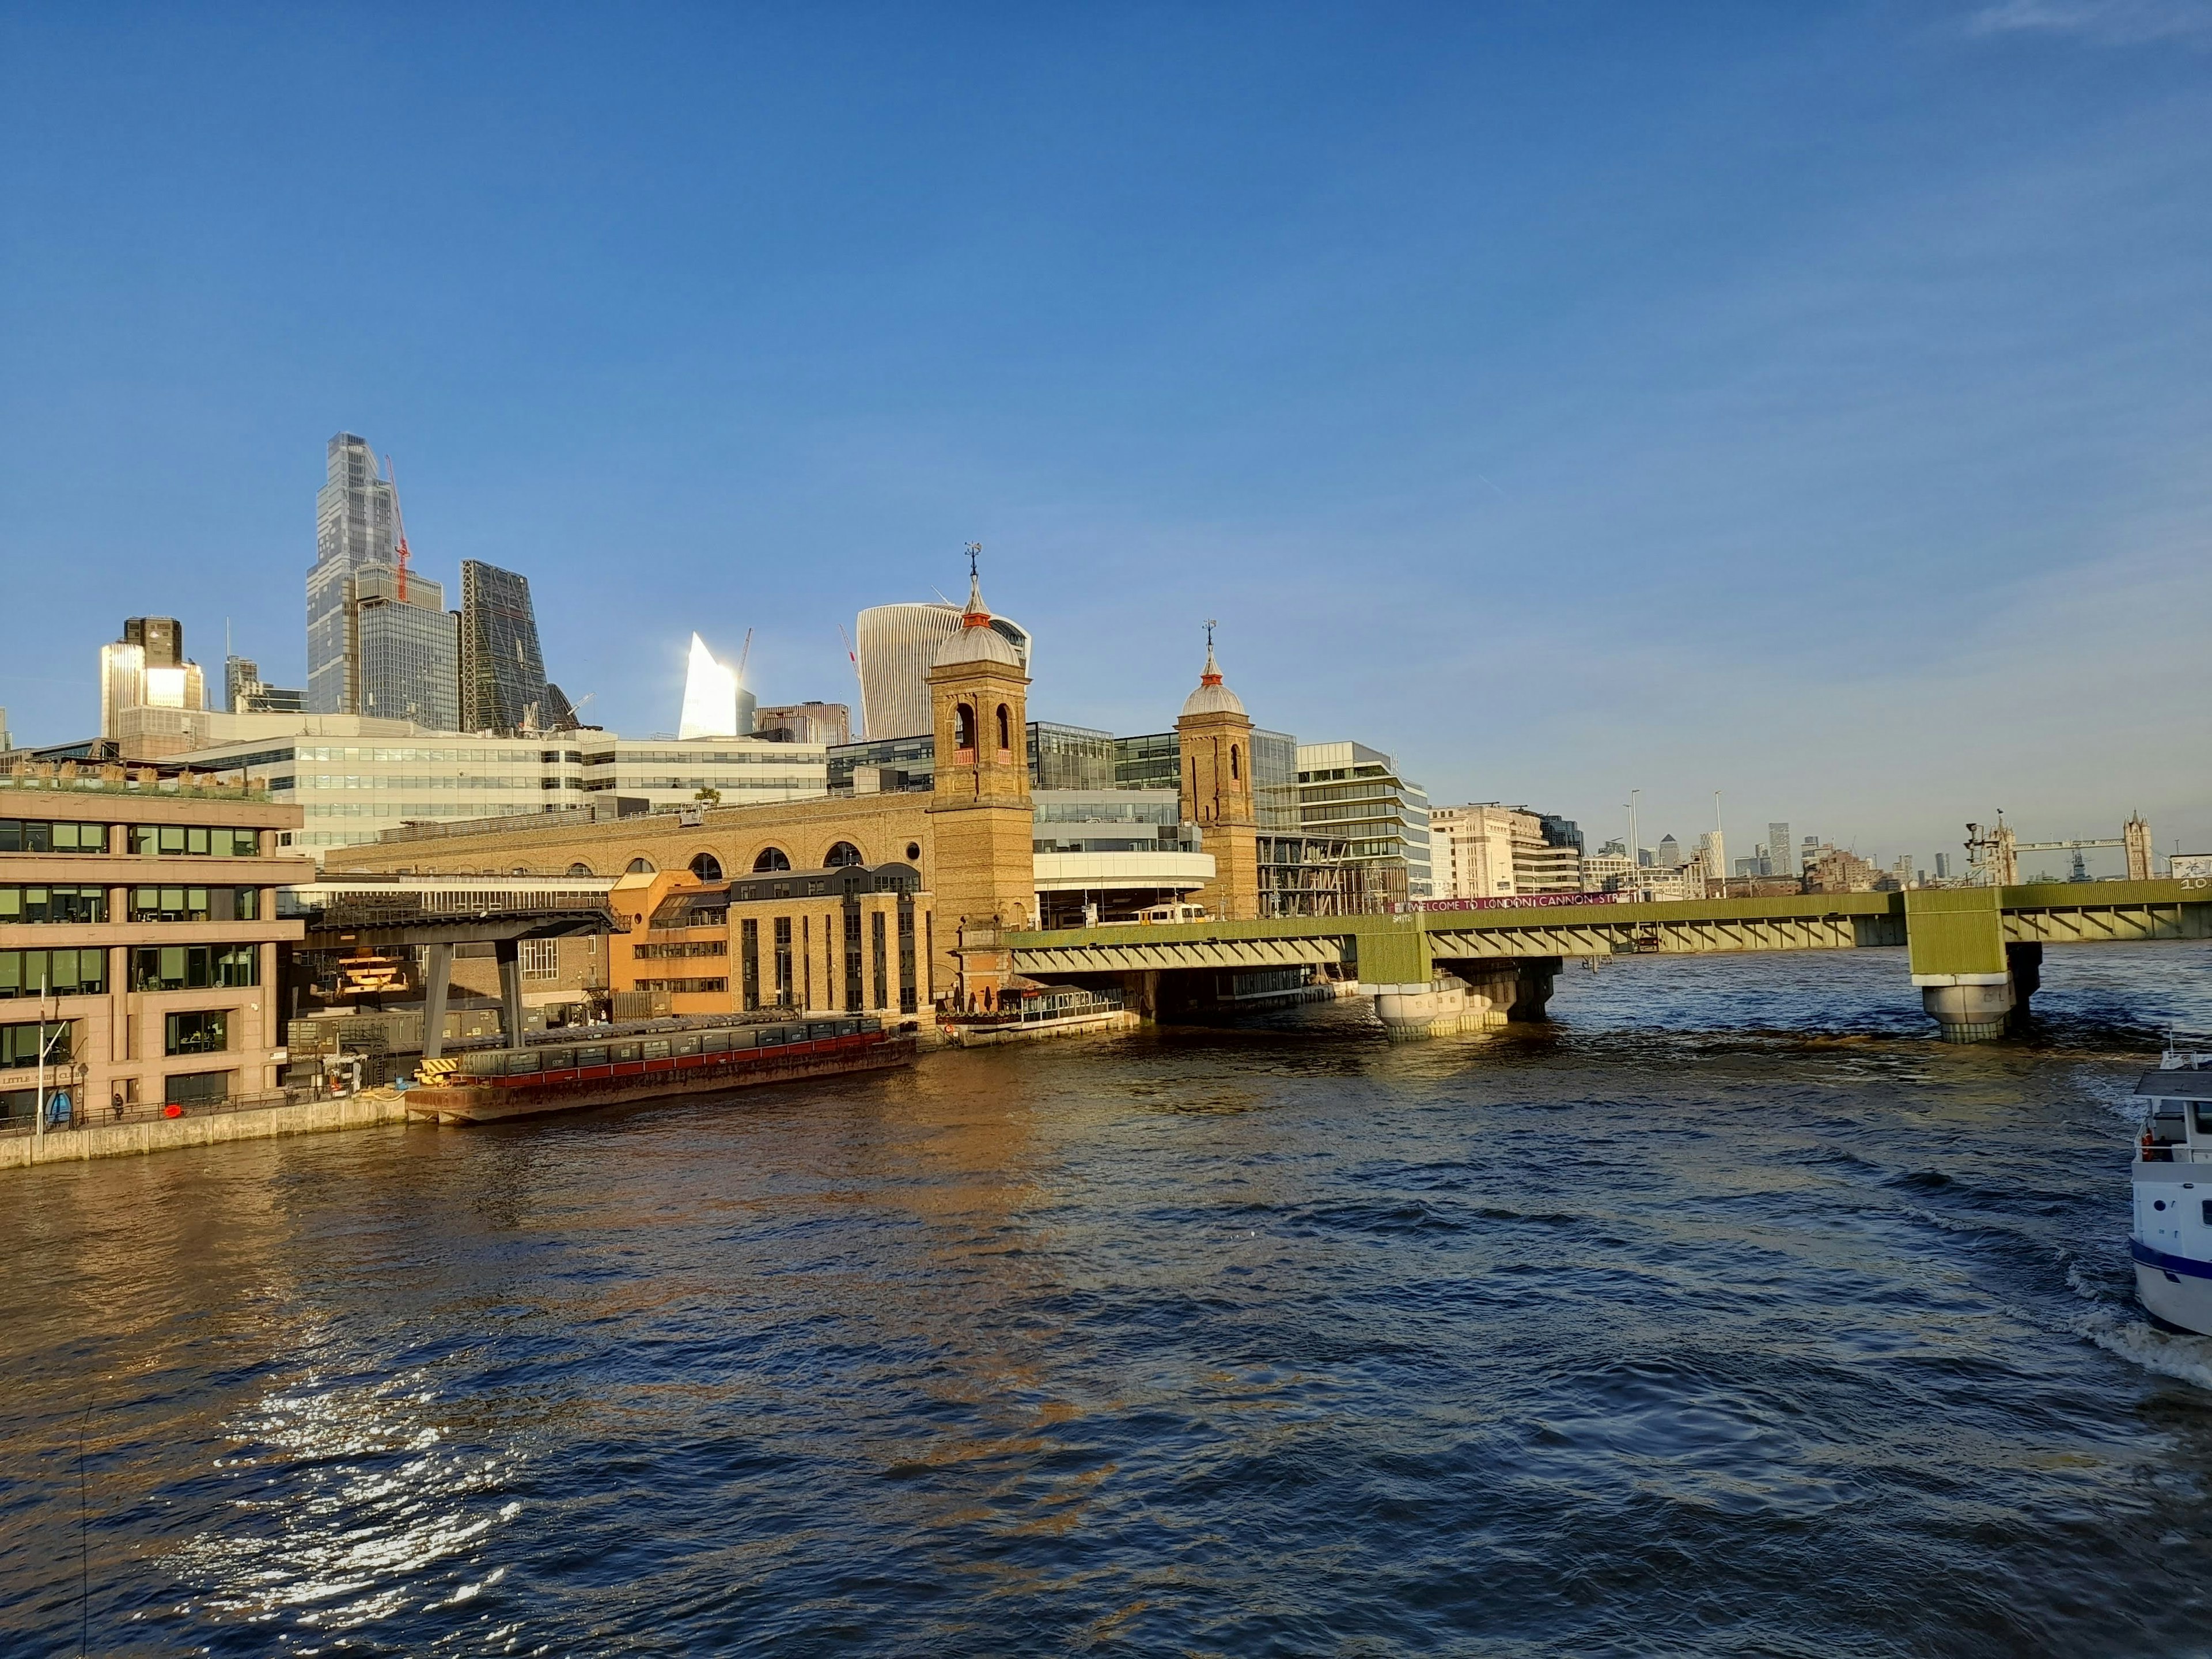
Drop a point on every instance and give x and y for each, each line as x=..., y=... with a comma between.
x=1974, y=953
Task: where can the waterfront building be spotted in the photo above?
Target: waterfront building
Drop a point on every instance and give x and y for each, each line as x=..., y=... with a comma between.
x=895, y=645
x=1780, y=851
x=828, y=724
x=1349, y=791
x=503, y=689
x=1491, y=850
x=138, y=941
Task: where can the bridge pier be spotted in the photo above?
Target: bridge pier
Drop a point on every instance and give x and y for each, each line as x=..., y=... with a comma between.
x=1980, y=1007
x=1425, y=1008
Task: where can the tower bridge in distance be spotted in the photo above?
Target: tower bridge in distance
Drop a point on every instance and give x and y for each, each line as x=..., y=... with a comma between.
x=1974, y=953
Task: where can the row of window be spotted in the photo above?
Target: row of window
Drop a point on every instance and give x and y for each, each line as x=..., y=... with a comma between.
x=475, y=756
x=75, y=973
x=29, y=903
x=710, y=947
x=37, y=835
x=195, y=840
x=686, y=986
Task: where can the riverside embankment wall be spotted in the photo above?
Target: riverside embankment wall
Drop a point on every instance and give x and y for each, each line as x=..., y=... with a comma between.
x=161, y=1135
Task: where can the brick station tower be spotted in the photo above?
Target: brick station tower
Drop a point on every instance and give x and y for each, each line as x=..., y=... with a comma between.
x=1216, y=736
x=981, y=811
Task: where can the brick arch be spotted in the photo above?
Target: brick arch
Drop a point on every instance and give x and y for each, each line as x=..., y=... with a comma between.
x=770, y=858
x=580, y=868
x=842, y=851
x=706, y=865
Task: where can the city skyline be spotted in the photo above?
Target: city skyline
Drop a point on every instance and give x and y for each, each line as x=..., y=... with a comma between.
x=1508, y=418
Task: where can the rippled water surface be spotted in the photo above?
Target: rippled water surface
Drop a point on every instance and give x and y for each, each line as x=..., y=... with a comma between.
x=1728, y=1314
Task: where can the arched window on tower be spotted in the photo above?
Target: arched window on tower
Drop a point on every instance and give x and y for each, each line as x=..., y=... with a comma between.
x=1005, y=731
x=771, y=858
x=963, y=722
x=1234, y=764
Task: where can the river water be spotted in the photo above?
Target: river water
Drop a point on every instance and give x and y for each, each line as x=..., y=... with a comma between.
x=1729, y=1315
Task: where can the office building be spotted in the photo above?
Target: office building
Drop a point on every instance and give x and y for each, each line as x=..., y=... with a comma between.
x=828, y=724
x=245, y=692
x=1670, y=853
x=405, y=647
x=1942, y=866
x=352, y=778
x=1070, y=757
x=503, y=689
x=147, y=669
x=895, y=645
x=715, y=704
x=1348, y=791
x=1491, y=850
x=356, y=525
x=138, y=944
x=1780, y=851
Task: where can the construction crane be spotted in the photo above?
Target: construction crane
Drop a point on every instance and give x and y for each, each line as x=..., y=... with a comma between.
x=853, y=658
x=399, y=523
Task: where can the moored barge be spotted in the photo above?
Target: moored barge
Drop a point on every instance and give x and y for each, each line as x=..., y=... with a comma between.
x=610, y=1067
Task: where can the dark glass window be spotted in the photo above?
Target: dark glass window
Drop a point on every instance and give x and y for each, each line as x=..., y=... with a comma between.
x=207, y=1033
x=880, y=953
x=194, y=966
x=19, y=1044
x=853, y=992
x=53, y=904
x=72, y=973
x=749, y=946
x=783, y=974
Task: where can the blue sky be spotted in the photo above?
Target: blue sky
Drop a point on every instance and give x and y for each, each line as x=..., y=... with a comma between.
x=1808, y=402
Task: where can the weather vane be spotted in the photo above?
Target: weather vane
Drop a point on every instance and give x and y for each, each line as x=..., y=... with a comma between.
x=1209, y=625
x=974, y=552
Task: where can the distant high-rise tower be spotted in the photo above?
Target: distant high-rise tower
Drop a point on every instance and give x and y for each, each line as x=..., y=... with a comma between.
x=356, y=523
x=1780, y=851
x=715, y=704
x=147, y=669
x=378, y=642
x=245, y=692
x=502, y=670
x=896, y=644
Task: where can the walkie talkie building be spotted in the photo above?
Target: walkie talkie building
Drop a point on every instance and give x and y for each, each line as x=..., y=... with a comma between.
x=896, y=644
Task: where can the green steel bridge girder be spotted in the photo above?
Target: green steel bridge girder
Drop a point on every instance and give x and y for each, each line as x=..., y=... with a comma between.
x=1945, y=931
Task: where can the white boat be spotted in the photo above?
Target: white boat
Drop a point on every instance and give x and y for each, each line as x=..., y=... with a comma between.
x=2172, y=1242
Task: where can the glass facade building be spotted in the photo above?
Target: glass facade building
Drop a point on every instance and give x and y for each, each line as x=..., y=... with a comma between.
x=1070, y=757
x=356, y=523
x=408, y=651
x=503, y=669
x=1353, y=793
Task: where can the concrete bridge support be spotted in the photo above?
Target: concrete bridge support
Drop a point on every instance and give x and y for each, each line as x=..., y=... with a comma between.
x=1426, y=1008
x=1979, y=1007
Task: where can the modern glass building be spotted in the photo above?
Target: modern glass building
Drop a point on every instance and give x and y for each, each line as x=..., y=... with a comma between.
x=896, y=644
x=1349, y=791
x=502, y=686
x=356, y=523
x=1070, y=757
x=407, y=651
x=1153, y=761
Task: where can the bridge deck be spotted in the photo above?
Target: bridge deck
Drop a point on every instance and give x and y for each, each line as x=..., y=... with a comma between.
x=1950, y=930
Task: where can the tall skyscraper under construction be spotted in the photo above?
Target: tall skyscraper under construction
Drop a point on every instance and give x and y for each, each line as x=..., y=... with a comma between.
x=379, y=639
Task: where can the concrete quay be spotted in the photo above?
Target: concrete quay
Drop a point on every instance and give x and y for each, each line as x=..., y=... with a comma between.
x=361, y=1111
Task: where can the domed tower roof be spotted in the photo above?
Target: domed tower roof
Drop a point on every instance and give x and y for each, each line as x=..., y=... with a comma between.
x=977, y=641
x=1212, y=697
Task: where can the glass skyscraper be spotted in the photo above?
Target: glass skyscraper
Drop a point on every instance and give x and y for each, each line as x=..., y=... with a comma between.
x=370, y=651
x=356, y=523
x=502, y=670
